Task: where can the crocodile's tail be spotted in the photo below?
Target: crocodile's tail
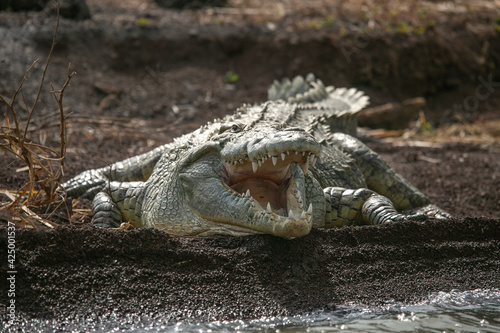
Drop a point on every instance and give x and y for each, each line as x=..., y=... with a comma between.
x=312, y=91
x=336, y=106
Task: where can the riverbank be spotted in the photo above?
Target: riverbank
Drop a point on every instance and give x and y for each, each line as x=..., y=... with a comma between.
x=77, y=277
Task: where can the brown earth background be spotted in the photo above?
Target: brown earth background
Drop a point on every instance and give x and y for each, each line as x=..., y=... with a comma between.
x=146, y=74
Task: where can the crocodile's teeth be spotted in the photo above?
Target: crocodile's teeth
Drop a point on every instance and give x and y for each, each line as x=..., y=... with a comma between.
x=247, y=193
x=259, y=162
x=303, y=215
x=305, y=167
x=296, y=152
x=275, y=160
x=310, y=209
x=255, y=166
x=303, y=153
x=268, y=208
x=288, y=152
x=290, y=214
x=314, y=158
x=283, y=156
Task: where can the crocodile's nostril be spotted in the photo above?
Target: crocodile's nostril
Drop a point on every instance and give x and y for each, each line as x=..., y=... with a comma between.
x=290, y=129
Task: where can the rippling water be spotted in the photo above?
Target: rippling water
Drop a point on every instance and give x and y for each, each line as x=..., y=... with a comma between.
x=457, y=312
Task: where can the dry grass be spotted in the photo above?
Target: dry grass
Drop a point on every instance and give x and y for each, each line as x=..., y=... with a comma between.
x=43, y=192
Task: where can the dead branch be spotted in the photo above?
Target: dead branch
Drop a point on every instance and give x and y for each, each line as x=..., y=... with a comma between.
x=58, y=96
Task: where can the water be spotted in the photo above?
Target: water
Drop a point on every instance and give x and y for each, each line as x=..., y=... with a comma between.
x=453, y=312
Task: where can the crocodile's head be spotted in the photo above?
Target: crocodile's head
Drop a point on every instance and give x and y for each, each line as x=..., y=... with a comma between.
x=254, y=179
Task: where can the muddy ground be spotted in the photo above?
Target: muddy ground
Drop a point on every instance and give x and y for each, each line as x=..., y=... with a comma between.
x=147, y=74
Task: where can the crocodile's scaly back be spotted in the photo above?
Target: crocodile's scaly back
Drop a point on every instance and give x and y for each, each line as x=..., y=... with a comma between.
x=317, y=104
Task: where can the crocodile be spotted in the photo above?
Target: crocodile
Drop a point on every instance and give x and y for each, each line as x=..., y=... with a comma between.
x=280, y=167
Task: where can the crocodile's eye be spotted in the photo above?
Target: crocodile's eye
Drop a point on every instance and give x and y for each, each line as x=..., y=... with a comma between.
x=233, y=128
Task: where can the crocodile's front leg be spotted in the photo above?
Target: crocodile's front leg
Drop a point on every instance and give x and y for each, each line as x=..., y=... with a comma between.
x=364, y=206
x=119, y=202
x=137, y=168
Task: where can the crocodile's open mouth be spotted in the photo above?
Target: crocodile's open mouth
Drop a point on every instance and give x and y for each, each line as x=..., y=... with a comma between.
x=275, y=184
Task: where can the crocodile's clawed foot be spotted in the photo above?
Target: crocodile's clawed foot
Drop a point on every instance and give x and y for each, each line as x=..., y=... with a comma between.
x=407, y=218
x=428, y=212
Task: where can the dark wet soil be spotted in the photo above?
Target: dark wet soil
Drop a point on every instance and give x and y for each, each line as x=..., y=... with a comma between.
x=147, y=75
x=81, y=276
